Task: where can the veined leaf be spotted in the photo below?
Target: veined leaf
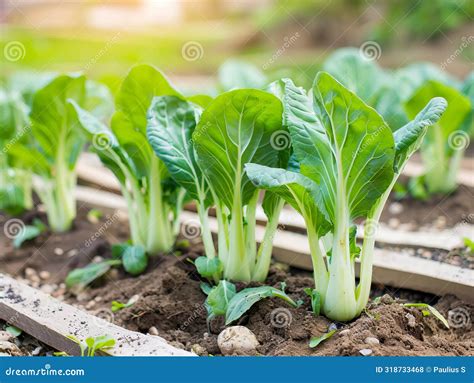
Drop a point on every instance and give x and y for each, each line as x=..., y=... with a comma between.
x=237, y=74
x=246, y=298
x=219, y=297
x=134, y=260
x=236, y=129
x=80, y=278
x=208, y=267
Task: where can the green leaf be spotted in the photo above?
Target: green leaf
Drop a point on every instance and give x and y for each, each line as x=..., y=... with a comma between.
x=360, y=75
x=171, y=123
x=409, y=138
x=29, y=232
x=469, y=244
x=219, y=298
x=134, y=260
x=296, y=189
x=80, y=278
x=13, y=331
x=118, y=249
x=237, y=74
x=458, y=107
x=433, y=311
x=236, y=129
x=209, y=267
x=117, y=306
x=246, y=298
x=316, y=340
x=315, y=299
x=205, y=287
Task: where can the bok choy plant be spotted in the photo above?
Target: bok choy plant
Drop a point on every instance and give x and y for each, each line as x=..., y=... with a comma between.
x=57, y=143
x=349, y=161
x=445, y=143
x=154, y=199
x=15, y=182
x=206, y=154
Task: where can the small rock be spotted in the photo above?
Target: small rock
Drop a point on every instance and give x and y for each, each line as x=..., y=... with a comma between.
x=426, y=254
x=47, y=289
x=58, y=251
x=344, y=332
x=5, y=336
x=97, y=259
x=81, y=297
x=199, y=350
x=365, y=351
x=72, y=253
x=395, y=208
x=90, y=305
x=371, y=340
x=332, y=326
x=440, y=222
x=153, y=331
x=36, y=351
x=411, y=320
x=237, y=340
x=44, y=275
x=7, y=346
x=386, y=299
x=98, y=298
x=30, y=272
x=394, y=223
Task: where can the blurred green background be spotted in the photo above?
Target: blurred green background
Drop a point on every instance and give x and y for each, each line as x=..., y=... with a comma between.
x=188, y=40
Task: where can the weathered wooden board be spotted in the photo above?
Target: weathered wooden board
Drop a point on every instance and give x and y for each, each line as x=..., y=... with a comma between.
x=51, y=320
x=397, y=269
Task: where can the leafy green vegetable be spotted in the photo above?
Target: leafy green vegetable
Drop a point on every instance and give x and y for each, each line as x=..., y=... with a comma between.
x=80, y=278
x=153, y=198
x=209, y=267
x=28, y=232
x=13, y=331
x=245, y=299
x=57, y=144
x=430, y=309
x=238, y=74
x=134, y=260
x=316, y=340
x=315, y=299
x=219, y=298
x=349, y=161
x=117, y=306
x=445, y=143
x=469, y=243
x=91, y=345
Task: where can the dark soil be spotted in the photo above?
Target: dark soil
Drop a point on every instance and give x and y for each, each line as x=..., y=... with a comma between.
x=172, y=302
x=170, y=299
x=59, y=253
x=439, y=211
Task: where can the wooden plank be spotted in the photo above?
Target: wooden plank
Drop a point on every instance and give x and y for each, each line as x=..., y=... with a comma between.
x=397, y=269
x=51, y=320
x=447, y=239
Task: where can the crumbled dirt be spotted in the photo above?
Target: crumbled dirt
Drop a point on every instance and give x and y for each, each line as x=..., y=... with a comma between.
x=22, y=345
x=170, y=299
x=172, y=302
x=58, y=253
x=439, y=211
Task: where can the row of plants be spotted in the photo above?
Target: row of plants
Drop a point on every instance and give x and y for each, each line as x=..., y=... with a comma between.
x=339, y=159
